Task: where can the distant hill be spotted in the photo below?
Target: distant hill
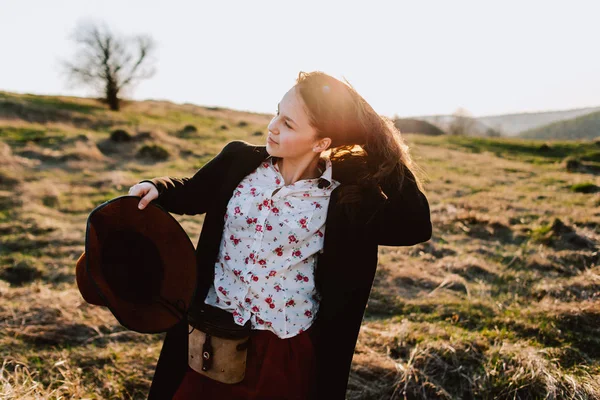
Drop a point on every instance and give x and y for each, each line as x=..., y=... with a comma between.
x=408, y=125
x=444, y=122
x=513, y=124
x=582, y=127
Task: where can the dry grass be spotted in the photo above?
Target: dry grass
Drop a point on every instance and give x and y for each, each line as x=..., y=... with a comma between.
x=501, y=303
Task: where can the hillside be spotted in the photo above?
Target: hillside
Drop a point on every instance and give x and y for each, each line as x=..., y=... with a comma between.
x=582, y=127
x=444, y=122
x=501, y=303
x=514, y=124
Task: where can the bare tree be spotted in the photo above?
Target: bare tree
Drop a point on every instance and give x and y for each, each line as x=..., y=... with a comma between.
x=109, y=63
x=462, y=123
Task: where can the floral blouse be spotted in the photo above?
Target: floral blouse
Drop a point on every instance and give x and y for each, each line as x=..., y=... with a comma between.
x=272, y=236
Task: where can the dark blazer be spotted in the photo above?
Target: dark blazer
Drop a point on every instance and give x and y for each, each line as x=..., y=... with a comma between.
x=344, y=272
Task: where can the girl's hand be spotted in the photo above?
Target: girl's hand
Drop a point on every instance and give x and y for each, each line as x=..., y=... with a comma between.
x=146, y=191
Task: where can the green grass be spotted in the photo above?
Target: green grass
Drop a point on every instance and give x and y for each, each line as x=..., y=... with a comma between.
x=540, y=233
x=49, y=103
x=533, y=151
x=57, y=104
x=18, y=137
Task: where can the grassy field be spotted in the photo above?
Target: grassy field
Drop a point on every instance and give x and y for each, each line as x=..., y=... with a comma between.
x=501, y=303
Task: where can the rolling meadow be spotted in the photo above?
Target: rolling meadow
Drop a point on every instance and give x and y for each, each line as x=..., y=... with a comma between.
x=501, y=303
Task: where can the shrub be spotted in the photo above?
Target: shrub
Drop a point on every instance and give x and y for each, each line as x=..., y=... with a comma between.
x=120, y=136
x=585, y=187
x=20, y=273
x=572, y=164
x=153, y=152
x=189, y=129
x=50, y=201
x=544, y=147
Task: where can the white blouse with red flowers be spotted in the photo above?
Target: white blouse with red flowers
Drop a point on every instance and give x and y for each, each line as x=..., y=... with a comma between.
x=265, y=267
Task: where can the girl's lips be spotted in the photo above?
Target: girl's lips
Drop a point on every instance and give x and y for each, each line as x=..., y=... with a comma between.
x=272, y=141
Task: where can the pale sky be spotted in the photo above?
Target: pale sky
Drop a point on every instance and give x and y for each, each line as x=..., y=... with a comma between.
x=406, y=58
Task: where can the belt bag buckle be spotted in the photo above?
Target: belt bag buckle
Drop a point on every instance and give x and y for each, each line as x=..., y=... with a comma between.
x=217, y=347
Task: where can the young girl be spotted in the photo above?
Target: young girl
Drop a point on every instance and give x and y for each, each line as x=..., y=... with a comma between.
x=289, y=241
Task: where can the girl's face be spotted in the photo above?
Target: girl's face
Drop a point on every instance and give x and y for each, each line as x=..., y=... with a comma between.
x=290, y=133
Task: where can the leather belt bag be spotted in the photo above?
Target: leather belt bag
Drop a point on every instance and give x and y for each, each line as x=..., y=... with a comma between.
x=217, y=346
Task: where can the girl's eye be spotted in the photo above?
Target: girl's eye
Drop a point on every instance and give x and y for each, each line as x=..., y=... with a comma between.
x=286, y=124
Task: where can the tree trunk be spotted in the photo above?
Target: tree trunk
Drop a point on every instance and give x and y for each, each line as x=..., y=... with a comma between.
x=112, y=93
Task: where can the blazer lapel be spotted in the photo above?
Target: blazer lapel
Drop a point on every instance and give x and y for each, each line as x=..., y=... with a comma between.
x=243, y=164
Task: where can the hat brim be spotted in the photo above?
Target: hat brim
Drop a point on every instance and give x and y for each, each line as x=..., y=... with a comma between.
x=174, y=247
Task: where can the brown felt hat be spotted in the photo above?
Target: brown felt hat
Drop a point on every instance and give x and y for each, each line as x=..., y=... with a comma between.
x=140, y=264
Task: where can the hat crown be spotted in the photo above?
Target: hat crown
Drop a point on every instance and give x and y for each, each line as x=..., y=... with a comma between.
x=132, y=266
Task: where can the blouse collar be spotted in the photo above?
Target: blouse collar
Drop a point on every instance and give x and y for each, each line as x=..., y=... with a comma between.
x=324, y=163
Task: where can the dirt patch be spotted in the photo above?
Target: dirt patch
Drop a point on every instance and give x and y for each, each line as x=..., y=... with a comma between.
x=576, y=259
x=562, y=236
x=11, y=161
x=473, y=270
x=581, y=325
x=82, y=151
x=148, y=145
x=545, y=265
x=416, y=282
x=571, y=292
x=8, y=202
x=9, y=179
x=56, y=334
x=475, y=224
x=436, y=250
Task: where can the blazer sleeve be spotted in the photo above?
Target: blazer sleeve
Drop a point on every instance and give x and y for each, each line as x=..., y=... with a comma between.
x=403, y=219
x=195, y=194
x=335, y=340
x=338, y=321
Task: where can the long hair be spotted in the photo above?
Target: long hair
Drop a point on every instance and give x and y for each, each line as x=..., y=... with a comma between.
x=366, y=146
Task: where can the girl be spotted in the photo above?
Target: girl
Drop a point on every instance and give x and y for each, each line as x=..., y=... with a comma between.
x=289, y=241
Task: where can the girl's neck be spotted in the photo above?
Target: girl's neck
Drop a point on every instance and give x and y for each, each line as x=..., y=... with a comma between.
x=295, y=170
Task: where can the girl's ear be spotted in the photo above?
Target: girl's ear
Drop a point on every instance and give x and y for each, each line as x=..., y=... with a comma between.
x=322, y=145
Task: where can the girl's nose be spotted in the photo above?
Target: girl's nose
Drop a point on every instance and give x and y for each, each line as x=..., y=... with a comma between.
x=273, y=127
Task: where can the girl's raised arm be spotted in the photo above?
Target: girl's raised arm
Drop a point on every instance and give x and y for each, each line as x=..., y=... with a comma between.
x=404, y=217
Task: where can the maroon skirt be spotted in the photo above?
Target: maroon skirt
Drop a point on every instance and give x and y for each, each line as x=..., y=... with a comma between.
x=275, y=369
